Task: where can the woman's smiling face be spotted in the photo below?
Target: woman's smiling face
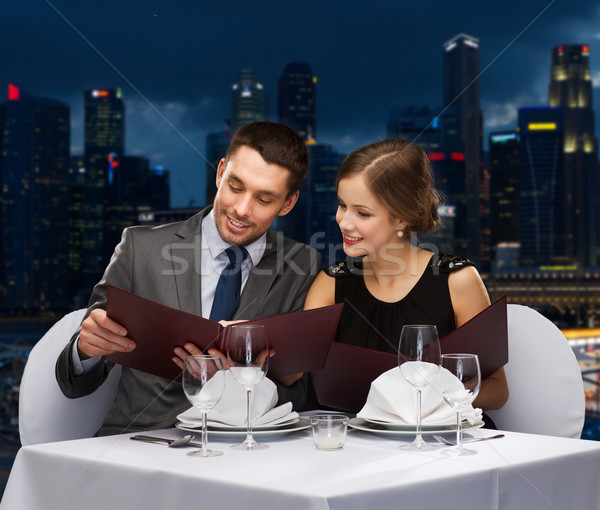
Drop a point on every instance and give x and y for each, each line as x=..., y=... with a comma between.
x=366, y=225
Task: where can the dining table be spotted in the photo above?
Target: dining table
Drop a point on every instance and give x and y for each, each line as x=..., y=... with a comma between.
x=371, y=471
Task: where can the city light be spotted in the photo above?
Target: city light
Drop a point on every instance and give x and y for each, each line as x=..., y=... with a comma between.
x=436, y=156
x=450, y=46
x=541, y=126
x=504, y=138
x=14, y=93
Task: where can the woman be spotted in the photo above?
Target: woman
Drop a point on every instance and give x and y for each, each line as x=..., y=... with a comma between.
x=386, y=198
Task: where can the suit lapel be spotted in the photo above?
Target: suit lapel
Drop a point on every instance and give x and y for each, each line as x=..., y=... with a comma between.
x=261, y=278
x=186, y=251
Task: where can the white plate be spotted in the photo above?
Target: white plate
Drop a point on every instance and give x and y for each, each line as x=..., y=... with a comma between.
x=380, y=428
x=224, y=426
x=300, y=424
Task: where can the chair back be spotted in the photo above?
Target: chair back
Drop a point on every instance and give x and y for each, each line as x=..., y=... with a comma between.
x=544, y=379
x=45, y=414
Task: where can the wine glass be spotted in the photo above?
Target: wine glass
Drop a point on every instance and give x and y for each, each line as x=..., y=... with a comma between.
x=465, y=367
x=203, y=385
x=248, y=356
x=419, y=360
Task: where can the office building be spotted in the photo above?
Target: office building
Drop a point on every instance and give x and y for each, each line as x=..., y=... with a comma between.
x=160, y=217
x=571, y=89
x=542, y=197
x=463, y=133
x=156, y=191
x=504, y=188
x=506, y=256
x=421, y=125
x=34, y=202
x=216, y=148
x=2, y=107
x=298, y=100
x=104, y=135
x=126, y=179
x=312, y=220
x=441, y=240
x=249, y=100
x=76, y=222
x=449, y=175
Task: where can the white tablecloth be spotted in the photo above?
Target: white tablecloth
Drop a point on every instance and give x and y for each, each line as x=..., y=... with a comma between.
x=518, y=471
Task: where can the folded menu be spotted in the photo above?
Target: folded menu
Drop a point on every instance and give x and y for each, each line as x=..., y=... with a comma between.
x=301, y=340
x=344, y=382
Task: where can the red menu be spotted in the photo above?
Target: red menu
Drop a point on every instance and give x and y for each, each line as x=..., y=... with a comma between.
x=345, y=380
x=301, y=340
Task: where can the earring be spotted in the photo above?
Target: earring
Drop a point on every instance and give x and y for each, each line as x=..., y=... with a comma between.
x=400, y=233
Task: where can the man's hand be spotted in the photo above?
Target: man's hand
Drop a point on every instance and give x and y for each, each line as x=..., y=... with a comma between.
x=189, y=349
x=101, y=335
x=229, y=323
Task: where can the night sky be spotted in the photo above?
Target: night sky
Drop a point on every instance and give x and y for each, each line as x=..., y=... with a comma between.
x=176, y=61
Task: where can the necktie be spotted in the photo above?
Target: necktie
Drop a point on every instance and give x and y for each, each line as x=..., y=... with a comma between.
x=227, y=295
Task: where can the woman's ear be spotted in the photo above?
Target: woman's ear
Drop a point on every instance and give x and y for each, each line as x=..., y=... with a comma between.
x=398, y=223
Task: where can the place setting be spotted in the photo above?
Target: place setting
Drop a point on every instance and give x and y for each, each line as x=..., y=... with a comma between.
x=231, y=396
x=428, y=394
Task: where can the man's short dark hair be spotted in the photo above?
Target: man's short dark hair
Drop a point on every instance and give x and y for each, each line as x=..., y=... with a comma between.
x=277, y=144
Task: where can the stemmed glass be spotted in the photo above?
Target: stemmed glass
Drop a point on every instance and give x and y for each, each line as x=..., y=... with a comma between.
x=248, y=355
x=419, y=360
x=465, y=367
x=203, y=385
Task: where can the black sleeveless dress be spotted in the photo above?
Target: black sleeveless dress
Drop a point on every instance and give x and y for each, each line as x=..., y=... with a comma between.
x=374, y=324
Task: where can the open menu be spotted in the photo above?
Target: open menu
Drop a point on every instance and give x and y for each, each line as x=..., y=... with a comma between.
x=345, y=380
x=301, y=340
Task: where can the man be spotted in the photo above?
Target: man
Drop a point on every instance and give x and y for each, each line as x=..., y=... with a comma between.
x=179, y=265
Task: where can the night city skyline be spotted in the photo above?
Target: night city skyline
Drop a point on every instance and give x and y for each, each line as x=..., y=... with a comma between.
x=176, y=65
x=117, y=113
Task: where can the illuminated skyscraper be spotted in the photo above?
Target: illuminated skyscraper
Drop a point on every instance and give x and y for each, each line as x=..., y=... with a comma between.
x=34, y=202
x=104, y=134
x=542, y=219
x=463, y=136
x=76, y=223
x=504, y=187
x=298, y=100
x=126, y=178
x=571, y=88
x=249, y=100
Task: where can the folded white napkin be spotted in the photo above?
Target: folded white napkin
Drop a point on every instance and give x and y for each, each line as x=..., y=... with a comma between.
x=231, y=409
x=393, y=400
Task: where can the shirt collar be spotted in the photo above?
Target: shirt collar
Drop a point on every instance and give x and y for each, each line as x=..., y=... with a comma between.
x=216, y=245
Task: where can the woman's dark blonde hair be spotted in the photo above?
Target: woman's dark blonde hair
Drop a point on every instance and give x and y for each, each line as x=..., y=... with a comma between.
x=398, y=173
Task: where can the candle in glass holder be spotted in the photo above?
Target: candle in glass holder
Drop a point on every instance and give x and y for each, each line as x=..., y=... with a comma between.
x=329, y=431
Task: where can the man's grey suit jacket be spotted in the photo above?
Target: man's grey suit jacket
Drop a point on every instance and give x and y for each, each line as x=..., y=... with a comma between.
x=162, y=263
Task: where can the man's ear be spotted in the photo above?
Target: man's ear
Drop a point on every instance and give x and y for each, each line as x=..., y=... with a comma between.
x=220, y=171
x=290, y=202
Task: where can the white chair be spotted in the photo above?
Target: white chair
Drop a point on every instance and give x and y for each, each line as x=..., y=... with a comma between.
x=544, y=379
x=45, y=414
